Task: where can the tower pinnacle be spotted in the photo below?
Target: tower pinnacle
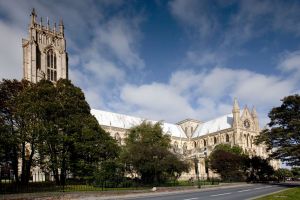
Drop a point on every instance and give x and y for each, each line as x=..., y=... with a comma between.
x=61, y=26
x=253, y=112
x=33, y=17
x=236, y=107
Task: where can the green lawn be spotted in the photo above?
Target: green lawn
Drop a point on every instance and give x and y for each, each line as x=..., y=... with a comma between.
x=290, y=194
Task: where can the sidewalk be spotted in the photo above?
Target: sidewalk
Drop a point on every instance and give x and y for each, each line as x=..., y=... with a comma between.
x=103, y=195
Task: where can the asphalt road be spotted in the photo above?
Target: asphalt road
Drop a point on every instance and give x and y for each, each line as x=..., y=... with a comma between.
x=237, y=193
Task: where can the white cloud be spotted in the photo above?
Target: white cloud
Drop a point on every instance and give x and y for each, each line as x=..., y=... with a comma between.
x=194, y=14
x=120, y=36
x=206, y=94
x=157, y=101
x=290, y=63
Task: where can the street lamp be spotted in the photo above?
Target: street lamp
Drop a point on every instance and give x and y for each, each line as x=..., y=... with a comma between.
x=197, y=171
x=155, y=165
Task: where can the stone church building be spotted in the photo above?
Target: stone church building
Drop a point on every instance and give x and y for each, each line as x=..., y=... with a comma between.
x=45, y=56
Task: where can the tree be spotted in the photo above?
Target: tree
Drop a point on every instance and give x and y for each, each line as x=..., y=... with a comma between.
x=147, y=153
x=13, y=135
x=70, y=138
x=282, y=174
x=296, y=172
x=283, y=134
x=259, y=169
x=228, y=161
x=50, y=125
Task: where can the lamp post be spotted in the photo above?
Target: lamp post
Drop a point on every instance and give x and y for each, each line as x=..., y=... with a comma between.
x=155, y=166
x=197, y=171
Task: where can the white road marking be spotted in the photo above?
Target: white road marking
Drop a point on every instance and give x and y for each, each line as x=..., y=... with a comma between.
x=215, y=195
x=254, y=189
x=244, y=190
x=191, y=198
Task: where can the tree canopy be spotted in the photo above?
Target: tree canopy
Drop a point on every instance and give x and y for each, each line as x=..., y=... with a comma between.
x=147, y=153
x=283, y=134
x=259, y=169
x=228, y=161
x=51, y=126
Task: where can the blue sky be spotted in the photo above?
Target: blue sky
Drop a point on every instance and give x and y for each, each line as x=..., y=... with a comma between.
x=169, y=60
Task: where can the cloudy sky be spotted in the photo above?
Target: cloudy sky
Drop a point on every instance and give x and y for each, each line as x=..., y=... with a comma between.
x=169, y=60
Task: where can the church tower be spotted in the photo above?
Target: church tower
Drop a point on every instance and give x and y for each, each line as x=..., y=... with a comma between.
x=44, y=51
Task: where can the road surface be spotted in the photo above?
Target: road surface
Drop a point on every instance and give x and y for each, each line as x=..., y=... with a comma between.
x=236, y=193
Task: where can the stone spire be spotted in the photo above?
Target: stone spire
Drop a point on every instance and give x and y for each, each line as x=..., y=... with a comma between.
x=253, y=112
x=236, y=107
x=235, y=113
x=32, y=17
x=48, y=24
x=61, y=26
x=255, y=118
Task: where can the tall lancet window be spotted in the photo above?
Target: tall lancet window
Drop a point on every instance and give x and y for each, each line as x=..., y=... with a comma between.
x=51, y=66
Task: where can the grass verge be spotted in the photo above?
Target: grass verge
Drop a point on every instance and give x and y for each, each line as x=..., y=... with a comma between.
x=290, y=194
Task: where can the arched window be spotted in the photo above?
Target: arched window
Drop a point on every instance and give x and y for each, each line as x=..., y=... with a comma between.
x=184, y=147
x=38, y=58
x=227, y=138
x=175, y=144
x=215, y=140
x=195, y=144
x=248, y=140
x=118, y=138
x=204, y=143
x=51, y=66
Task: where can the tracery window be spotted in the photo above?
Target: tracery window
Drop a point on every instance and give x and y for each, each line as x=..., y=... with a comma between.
x=248, y=140
x=175, y=144
x=227, y=138
x=51, y=66
x=118, y=138
x=184, y=147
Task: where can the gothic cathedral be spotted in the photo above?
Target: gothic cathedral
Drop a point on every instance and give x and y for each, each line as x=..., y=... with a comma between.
x=45, y=57
x=44, y=52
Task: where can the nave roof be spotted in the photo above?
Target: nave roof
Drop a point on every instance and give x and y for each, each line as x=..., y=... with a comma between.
x=106, y=118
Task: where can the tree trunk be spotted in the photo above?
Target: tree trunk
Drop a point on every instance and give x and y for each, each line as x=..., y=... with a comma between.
x=23, y=181
x=15, y=164
x=56, y=176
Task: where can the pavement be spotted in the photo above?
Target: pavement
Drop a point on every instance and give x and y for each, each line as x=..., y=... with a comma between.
x=235, y=191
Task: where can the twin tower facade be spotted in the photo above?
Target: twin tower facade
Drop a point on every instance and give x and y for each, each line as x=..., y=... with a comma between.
x=44, y=51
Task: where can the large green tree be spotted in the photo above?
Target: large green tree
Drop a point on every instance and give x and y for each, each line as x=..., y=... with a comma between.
x=228, y=161
x=147, y=153
x=259, y=169
x=50, y=125
x=283, y=134
x=13, y=135
x=70, y=138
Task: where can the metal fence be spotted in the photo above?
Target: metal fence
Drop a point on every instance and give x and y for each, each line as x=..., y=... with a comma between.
x=41, y=182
